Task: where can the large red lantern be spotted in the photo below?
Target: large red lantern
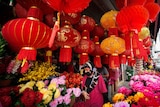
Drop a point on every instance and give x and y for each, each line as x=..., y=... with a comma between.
x=85, y=47
x=66, y=38
x=27, y=34
x=97, y=53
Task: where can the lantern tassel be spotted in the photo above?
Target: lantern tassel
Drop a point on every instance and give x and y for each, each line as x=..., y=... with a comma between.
x=97, y=61
x=65, y=54
x=27, y=52
x=114, y=61
x=24, y=66
x=83, y=58
x=54, y=31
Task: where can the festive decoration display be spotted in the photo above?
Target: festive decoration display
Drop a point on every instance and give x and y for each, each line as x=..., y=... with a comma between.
x=85, y=47
x=67, y=38
x=144, y=33
x=97, y=31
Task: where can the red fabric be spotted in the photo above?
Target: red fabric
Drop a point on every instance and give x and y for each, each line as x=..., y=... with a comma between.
x=65, y=54
x=68, y=6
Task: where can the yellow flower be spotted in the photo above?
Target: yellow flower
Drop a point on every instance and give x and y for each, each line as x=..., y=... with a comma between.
x=118, y=97
x=47, y=95
x=40, y=85
x=137, y=96
x=52, y=86
x=23, y=88
x=107, y=105
x=30, y=83
x=129, y=99
x=57, y=93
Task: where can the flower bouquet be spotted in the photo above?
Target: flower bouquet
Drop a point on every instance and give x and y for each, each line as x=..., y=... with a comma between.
x=47, y=93
x=72, y=79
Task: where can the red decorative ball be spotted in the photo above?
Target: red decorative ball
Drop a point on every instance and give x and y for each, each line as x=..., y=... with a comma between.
x=97, y=31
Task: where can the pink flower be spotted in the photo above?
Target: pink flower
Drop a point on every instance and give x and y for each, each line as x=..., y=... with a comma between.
x=121, y=104
x=137, y=85
x=67, y=99
x=54, y=103
x=77, y=92
x=124, y=90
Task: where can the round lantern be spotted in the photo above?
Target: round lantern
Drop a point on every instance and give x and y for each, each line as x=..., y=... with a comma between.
x=97, y=31
x=66, y=38
x=108, y=20
x=85, y=47
x=144, y=33
x=97, y=53
x=73, y=18
x=27, y=34
x=85, y=23
x=113, y=45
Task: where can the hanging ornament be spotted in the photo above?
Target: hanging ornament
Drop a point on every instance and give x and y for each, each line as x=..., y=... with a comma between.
x=108, y=20
x=68, y=6
x=114, y=46
x=66, y=38
x=85, y=47
x=28, y=34
x=153, y=9
x=97, y=31
x=144, y=33
x=97, y=53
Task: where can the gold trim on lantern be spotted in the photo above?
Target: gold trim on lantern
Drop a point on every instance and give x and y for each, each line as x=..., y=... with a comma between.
x=33, y=18
x=28, y=48
x=84, y=37
x=114, y=54
x=66, y=46
x=97, y=43
x=98, y=56
x=84, y=53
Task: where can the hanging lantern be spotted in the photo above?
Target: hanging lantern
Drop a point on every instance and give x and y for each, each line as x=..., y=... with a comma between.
x=98, y=31
x=73, y=18
x=144, y=33
x=66, y=38
x=27, y=34
x=97, y=53
x=85, y=47
x=114, y=46
x=85, y=23
x=132, y=18
x=153, y=9
x=105, y=59
x=108, y=20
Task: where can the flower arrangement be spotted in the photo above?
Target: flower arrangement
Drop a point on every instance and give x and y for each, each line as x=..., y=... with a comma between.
x=72, y=79
x=143, y=91
x=52, y=93
x=39, y=71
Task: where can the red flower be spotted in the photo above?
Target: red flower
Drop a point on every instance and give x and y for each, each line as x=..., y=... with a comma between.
x=6, y=101
x=39, y=97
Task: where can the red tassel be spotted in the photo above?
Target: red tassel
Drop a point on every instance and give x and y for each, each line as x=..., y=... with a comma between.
x=97, y=61
x=65, y=54
x=83, y=58
x=25, y=66
x=105, y=59
x=123, y=59
x=114, y=61
x=28, y=53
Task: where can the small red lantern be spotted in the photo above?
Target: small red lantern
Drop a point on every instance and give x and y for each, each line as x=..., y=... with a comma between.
x=73, y=18
x=66, y=38
x=97, y=53
x=97, y=31
x=85, y=23
x=85, y=47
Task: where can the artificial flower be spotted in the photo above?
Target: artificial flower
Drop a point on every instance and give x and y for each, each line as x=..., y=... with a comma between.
x=57, y=93
x=118, y=97
x=52, y=86
x=107, y=105
x=40, y=85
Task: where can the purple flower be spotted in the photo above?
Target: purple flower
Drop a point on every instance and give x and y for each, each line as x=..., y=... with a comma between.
x=121, y=104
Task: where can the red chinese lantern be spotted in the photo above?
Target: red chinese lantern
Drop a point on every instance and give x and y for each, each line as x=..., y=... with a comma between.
x=66, y=38
x=97, y=53
x=132, y=18
x=73, y=18
x=98, y=31
x=85, y=23
x=153, y=9
x=27, y=34
x=68, y=6
x=114, y=46
x=85, y=47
